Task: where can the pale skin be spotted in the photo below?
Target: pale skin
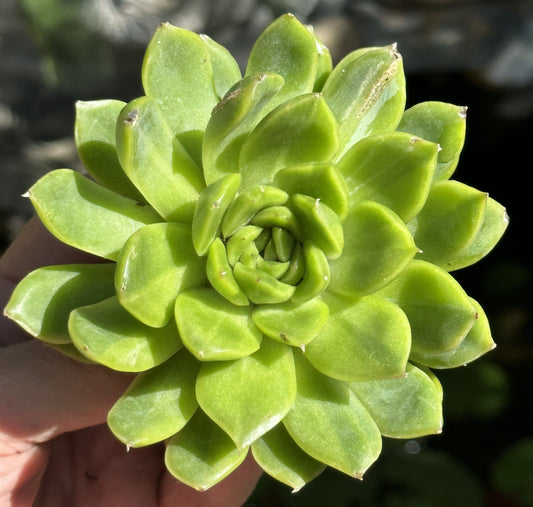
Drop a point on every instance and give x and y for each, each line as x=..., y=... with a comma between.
x=55, y=448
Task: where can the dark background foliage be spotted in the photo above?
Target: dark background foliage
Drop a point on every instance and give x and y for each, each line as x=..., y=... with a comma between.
x=468, y=52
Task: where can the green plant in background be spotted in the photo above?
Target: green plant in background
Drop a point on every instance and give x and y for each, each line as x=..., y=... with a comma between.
x=275, y=250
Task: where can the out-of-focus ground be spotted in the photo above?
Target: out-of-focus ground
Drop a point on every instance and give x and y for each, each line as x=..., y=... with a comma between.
x=468, y=52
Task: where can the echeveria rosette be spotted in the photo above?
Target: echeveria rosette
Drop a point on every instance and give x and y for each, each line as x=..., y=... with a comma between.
x=275, y=250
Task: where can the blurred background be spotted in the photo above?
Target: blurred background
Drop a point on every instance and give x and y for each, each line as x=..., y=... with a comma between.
x=468, y=52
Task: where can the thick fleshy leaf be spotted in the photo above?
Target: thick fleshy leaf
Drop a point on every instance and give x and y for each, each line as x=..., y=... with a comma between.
x=260, y=287
x=232, y=120
x=94, y=134
x=439, y=311
x=377, y=247
x=448, y=222
x=295, y=324
x=324, y=62
x=320, y=181
x=494, y=224
x=248, y=203
x=201, y=454
x=330, y=424
x=441, y=123
x=225, y=69
x=316, y=274
x=177, y=71
x=41, y=303
x=210, y=208
x=394, y=169
x=286, y=47
x=157, y=404
x=477, y=342
x=220, y=275
x=248, y=396
x=406, y=407
x=319, y=224
x=156, y=162
x=279, y=456
x=300, y=131
x=155, y=265
x=212, y=328
x=366, y=93
x=82, y=214
x=107, y=334
x=70, y=350
x=365, y=338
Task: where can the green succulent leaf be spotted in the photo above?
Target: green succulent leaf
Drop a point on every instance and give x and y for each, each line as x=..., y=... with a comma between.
x=301, y=130
x=156, y=162
x=286, y=47
x=178, y=73
x=318, y=224
x=157, y=263
x=394, y=169
x=279, y=456
x=232, y=120
x=330, y=424
x=248, y=203
x=320, y=181
x=495, y=222
x=439, y=311
x=441, y=123
x=212, y=328
x=210, y=208
x=225, y=69
x=201, y=454
x=377, y=247
x=42, y=301
x=107, y=334
x=265, y=380
x=157, y=404
x=94, y=134
x=366, y=338
x=366, y=93
x=316, y=275
x=449, y=221
x=82, y=214
x=409, y=406
x=324, y=62
x=295, y=324
x=477, y=342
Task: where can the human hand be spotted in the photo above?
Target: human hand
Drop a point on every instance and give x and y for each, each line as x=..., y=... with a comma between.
x=55, y=448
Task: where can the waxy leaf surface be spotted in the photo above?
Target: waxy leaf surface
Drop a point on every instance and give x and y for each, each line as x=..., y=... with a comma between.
x=286, y=47
x=409, y=406
x=279, y=456
x=477, y=342
x=366, y=94
x=248, y=396
x=41, y=303
x=377, y=247
x=439, y=311
x=212, y=328
x=94, y=134
x=448, y=222
x=299, y=131
x=157, y=404
x=201, y=454
x=393, y=169
x=365, y=338
x=106, y=333
x=155, y=265
x=330, y=424
x=82, y=214
x=156, y=162
x=441, y=123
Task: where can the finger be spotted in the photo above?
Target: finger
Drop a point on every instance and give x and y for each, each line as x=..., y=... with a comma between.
x=44, y=394
x=234, y=490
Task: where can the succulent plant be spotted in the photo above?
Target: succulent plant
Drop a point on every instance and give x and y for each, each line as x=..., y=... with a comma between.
x=276, y=254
